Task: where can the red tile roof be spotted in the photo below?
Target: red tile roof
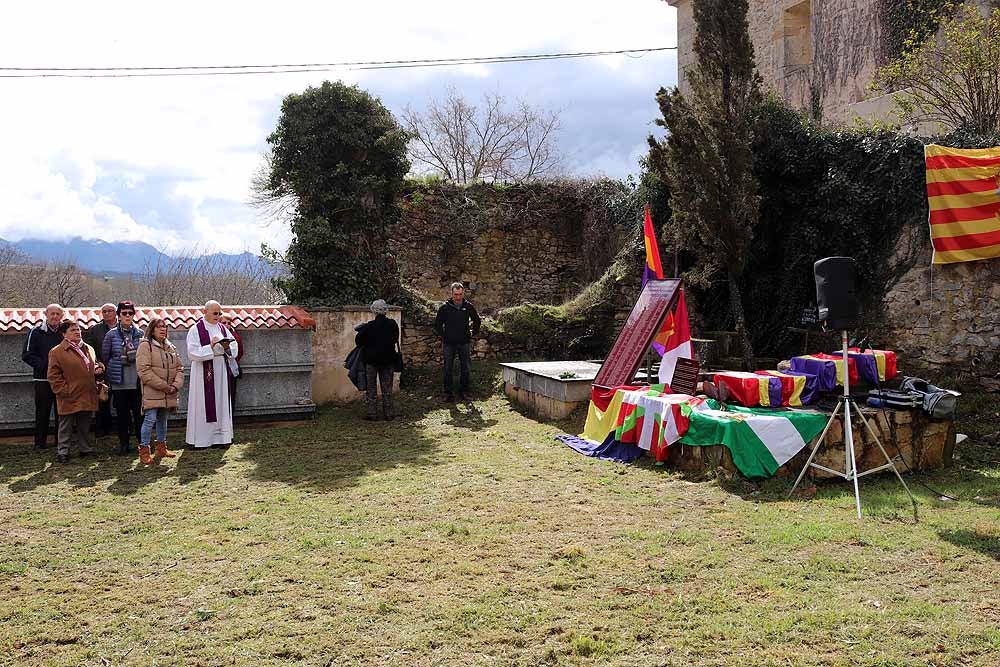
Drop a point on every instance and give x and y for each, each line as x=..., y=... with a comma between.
x=178, y=317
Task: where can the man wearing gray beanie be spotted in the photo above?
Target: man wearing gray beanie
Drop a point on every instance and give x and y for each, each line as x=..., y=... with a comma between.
x=379, y=340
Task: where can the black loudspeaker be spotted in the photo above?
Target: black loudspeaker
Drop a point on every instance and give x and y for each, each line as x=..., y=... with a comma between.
x=835, y=293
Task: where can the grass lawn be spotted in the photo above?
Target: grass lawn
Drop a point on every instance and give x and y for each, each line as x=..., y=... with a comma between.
x=465, y=535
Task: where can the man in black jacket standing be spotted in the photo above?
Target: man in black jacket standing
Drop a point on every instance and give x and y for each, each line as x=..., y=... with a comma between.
x=41, y=340
x=452, y=324
x=95, y=338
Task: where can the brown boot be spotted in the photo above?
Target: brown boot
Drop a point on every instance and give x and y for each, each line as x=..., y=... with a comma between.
x=144, y=456
x=162, y=452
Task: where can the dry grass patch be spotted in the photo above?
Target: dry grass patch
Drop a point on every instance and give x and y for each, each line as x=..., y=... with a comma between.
x=465, y=535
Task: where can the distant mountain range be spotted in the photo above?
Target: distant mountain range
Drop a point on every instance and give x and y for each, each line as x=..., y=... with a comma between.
x=118, y=258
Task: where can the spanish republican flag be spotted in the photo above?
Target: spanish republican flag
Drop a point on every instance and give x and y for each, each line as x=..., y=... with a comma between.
x=963, y=191
x=653, y=269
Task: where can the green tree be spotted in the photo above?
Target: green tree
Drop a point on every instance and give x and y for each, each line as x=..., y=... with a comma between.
x=337, y=163
x=951, y=78
x=706, y=159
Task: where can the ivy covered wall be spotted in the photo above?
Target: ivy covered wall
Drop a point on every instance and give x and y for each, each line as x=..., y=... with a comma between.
x=510, y=244
x=549, y=265
x=862, y=194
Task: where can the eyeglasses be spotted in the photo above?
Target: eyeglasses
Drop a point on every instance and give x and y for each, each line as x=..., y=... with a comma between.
x=128, y=313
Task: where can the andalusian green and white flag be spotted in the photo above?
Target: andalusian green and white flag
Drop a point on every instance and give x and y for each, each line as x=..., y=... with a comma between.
x=760, y=440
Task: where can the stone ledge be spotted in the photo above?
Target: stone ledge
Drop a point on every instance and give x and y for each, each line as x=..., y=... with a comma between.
x=351, y=309
x=924, y=443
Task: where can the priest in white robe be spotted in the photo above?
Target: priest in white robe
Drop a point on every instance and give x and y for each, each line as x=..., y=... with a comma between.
x=210, y=345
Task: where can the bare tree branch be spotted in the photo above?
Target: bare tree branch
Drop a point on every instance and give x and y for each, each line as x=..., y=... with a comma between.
x=464, y=143
x=951, y=77
x=277, y=207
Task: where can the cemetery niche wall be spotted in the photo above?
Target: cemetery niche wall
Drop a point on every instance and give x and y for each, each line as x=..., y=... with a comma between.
x=277, y=364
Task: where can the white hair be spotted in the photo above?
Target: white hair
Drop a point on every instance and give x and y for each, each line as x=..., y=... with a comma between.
x=212, y=302
x=109, y=305
x=56, y=306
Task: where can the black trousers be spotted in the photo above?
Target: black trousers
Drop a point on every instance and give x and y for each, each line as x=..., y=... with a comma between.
x=128, y=406
x=45, y=405
x=379, y=375
x=464, y=353
x=104, y=420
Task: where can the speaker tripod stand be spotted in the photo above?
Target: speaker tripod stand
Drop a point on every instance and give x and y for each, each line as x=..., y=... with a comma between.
x=847, y=405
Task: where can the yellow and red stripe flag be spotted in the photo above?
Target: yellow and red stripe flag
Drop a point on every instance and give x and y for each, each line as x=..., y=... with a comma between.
x=963, y=191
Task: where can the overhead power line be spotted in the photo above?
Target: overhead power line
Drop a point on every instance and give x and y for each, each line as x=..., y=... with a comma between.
x=229, y=70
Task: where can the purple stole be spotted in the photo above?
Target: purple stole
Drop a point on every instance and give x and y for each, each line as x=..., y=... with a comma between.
x=207, y=370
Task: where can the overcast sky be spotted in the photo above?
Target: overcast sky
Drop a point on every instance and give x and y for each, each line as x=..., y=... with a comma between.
x=169, y=160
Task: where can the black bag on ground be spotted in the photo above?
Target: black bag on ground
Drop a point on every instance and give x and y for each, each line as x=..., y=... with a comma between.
x=897, y=399
x=938, y=403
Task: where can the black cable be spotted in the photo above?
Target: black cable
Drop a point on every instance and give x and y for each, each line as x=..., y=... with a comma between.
x=219, y=70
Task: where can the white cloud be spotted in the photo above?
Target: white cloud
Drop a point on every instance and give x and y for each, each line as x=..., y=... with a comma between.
x=42, y=203
x=169, y=160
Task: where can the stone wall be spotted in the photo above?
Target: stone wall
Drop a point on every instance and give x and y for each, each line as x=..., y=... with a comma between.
x=948, y=315
x=820, y=53
x=816, y=54
x=508, y=243
x=332, y=341
x=276, y=382
x=586, y=334
x=923, y=443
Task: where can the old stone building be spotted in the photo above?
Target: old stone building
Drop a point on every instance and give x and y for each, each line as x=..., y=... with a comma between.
x=819, y=55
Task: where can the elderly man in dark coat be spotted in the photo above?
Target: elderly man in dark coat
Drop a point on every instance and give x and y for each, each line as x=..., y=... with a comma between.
x=72, y=373
x=379, y=342
x=40, y=340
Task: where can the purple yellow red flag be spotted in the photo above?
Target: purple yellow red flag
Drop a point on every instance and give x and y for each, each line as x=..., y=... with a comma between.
x=653, y=269
x=963, y=193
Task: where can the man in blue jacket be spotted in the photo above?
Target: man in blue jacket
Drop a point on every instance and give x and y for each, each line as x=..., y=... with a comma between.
x=41, y=340
x=452, y=324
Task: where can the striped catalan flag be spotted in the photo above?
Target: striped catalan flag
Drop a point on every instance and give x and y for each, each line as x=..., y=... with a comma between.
x=963, y=190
